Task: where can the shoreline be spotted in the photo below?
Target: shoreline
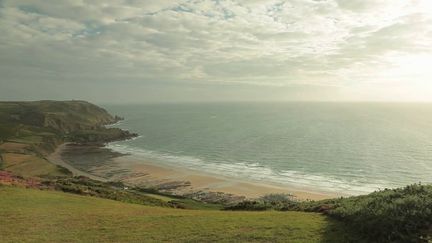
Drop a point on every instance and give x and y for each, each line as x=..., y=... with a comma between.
x=183, y=181
x=56, y=158
x=202, y=181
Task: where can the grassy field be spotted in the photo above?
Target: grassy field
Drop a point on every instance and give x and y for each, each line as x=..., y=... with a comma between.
x=28, y=215
x=29, y=165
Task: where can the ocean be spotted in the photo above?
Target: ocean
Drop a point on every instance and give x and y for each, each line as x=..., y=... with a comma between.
x=349, y=148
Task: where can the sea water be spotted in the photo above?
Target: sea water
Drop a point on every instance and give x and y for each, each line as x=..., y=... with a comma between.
x=350, y=148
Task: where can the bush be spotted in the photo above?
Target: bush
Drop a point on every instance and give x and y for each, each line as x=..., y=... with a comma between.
x=248, y=205
x=398, y=215
x=85, y=186
x=282, y=202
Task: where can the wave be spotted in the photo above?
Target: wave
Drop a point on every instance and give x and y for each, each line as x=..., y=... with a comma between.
x=256, y=172
x=118, y=123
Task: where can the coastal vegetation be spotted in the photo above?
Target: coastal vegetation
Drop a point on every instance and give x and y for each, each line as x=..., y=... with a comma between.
x=403, y=214
x=391, y=215
x=50, y=216
x=112, y=211
x=29, y=131
x=120, y=192
x=48, y=123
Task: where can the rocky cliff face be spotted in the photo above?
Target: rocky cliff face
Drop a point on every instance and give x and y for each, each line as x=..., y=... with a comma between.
x=30, y=131
x=71, y=116
x=53, y=122
x=64, y=116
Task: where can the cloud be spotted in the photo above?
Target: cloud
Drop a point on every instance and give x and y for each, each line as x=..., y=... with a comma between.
x=332, y=43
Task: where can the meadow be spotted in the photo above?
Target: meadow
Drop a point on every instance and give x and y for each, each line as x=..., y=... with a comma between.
x=30, y=215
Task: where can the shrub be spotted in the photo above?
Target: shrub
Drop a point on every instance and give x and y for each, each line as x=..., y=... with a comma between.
x=248, y=205
x=398, y=215
x=85, y=186
x=281, y=202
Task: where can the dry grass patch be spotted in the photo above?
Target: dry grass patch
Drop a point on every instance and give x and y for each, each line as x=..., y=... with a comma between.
x=13, y=147
x=26, y=165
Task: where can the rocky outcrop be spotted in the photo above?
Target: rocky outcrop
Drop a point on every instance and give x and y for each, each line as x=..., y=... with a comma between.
x=101, y=135
x=54, y=122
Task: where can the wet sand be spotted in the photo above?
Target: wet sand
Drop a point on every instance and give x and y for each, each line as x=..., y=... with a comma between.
x=56, y=158
x=201, y=181
x=140, y=172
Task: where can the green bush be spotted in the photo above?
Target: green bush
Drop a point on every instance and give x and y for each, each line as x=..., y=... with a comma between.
x=281, y=202
x=248, y=205
x=115, y=191
x=398, y=215
x=7, y=131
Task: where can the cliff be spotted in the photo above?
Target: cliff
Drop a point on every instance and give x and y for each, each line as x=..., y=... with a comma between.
x=61, y=116
x=29, y=131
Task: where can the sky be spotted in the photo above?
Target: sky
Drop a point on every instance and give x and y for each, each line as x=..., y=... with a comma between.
x=216, y=50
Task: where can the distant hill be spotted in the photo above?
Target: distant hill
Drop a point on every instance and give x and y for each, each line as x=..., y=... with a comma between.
x=29, y=131
x=60, y=116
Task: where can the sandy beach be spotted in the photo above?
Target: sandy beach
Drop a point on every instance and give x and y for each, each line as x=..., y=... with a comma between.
x=140, y=172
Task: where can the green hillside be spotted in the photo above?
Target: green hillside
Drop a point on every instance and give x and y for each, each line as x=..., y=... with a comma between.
x=46, y=216
x=79, y=209
x=29, y=131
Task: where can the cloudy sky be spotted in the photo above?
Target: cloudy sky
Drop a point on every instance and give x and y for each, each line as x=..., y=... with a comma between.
x=204, y=50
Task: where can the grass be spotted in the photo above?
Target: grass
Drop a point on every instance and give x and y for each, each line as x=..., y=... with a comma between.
x=116, y=191
x=6, y=130
x=389, y=215
x=29, y=215
x=12, y=147
x=160, y=197
x=29, y=165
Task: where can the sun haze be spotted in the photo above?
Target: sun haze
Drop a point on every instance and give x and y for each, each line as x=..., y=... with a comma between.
x=331, y=50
